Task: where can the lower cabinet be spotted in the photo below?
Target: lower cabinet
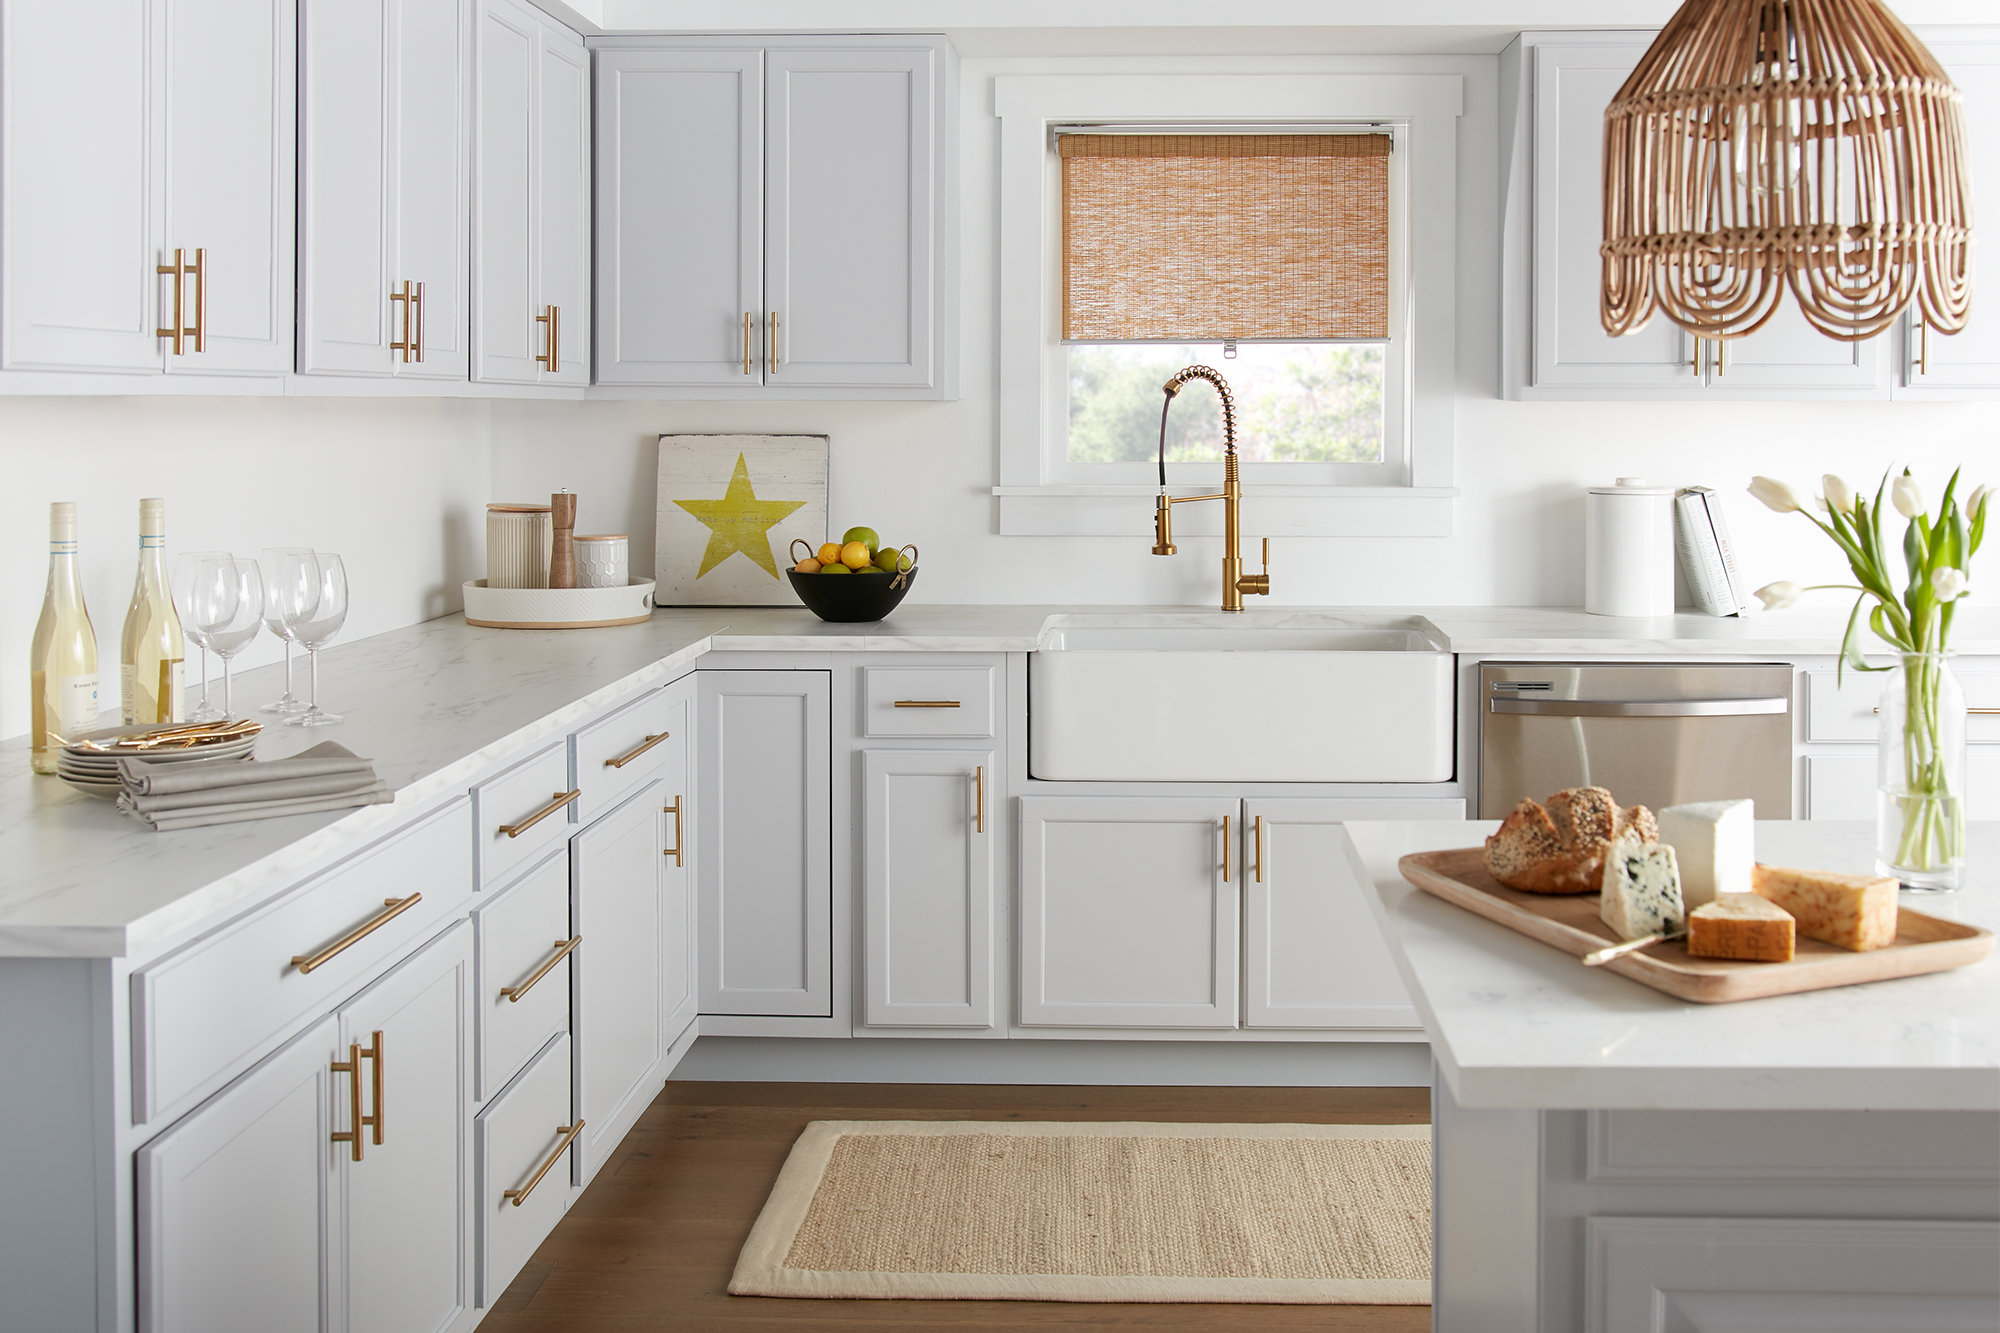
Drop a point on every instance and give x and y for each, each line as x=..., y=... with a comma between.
x=523, y=1136
x=927, y=888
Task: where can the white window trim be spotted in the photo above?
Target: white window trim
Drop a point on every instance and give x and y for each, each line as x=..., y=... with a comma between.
x=1424, y=108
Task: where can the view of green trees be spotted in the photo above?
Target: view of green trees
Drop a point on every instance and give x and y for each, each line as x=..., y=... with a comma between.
x=1308, y=403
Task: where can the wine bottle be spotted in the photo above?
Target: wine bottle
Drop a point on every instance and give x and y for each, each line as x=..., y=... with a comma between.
x=151, y=648
x=62, y=657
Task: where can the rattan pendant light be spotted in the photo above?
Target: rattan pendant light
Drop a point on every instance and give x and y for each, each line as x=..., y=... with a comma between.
x=1766, y=144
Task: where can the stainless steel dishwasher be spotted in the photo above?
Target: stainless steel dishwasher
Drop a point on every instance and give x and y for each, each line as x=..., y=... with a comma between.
x=1657, y=734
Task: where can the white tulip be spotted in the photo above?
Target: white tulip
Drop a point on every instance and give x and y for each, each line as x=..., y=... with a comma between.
x=1776, y=495
x=1909, y=497
x=1777, y=596
x=1948, y=583
x=1839, y=497
x=1976, y=502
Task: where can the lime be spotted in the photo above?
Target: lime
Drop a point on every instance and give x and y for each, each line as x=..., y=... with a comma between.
x=866, y=536
x=836, y=568
x=889, y=560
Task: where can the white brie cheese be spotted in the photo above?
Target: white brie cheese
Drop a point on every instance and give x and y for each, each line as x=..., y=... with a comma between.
x=1715, y=844
x=1642, y=889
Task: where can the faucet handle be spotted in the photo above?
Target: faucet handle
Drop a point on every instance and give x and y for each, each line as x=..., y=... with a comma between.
x=1257, y=585
x=1267, y=555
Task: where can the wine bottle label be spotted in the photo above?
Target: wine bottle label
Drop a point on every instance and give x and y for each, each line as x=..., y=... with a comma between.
x=128, y=694
x=77, y=696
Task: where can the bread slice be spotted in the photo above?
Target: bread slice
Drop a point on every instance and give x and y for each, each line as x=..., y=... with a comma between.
x=1743, y=926
x=1560, y=848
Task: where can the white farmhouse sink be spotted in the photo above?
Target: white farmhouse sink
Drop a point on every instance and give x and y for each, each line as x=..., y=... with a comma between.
x=1287, y=698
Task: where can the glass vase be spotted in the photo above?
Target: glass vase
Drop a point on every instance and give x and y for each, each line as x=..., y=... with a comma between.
x=1920, y=787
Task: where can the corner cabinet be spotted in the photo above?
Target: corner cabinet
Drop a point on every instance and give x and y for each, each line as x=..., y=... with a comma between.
x=777, y=221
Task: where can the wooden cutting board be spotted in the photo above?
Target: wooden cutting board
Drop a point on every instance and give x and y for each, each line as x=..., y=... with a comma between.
x=1924, y=943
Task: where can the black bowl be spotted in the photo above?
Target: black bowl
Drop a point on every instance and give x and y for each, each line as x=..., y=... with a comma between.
x=851, y=598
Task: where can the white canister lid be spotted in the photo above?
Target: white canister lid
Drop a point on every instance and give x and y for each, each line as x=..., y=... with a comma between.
x=601, y=537
x=1632, y=486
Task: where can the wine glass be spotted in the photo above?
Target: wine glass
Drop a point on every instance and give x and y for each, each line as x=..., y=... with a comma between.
x=229, y=608
x=321, y=577
x=186, y=566
x=271, y=562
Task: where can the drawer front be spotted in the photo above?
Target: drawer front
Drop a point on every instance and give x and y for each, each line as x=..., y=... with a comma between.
x=197, y=1012
x=929, y=701
x=1846, y=712
x=512, y=799
x=616, y=754
x=517, y=1136
x=524, y=970
x=1843, y=786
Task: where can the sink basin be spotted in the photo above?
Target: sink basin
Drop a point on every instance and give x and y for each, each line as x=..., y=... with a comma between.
x=1215, y=699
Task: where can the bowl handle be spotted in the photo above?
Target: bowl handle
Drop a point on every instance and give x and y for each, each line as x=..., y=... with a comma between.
x=902, y=575
x=797, y=542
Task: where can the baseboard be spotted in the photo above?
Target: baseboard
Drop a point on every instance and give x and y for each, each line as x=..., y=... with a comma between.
x=1100, y=1063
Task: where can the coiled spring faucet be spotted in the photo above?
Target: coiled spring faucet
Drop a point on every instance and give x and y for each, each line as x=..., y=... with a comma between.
x=1235, y=583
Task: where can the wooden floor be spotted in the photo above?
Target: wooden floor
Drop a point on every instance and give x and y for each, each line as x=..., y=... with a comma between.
x=650, y=1245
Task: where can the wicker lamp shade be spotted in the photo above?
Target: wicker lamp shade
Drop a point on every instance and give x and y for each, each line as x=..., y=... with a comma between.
x=1766, y=144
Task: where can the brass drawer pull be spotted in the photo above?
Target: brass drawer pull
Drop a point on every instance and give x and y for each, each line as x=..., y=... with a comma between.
x=351, y=1066
x=630, y=755
x=1225, y=849
x=675, y=850
x=569, y=1133
x=556, y=802
x=926, y=703
x=397, y=906
x=1258, y=828
x=746, y=342
x=552, y=359
x=514, y=993
x=979, y=799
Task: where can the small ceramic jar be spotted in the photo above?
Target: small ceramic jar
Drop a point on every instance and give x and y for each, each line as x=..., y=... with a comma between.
x=518, y=538
x=602, y=561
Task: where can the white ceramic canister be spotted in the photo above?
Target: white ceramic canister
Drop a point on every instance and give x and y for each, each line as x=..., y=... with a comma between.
x=602, y=560
x=1628, y=549
x=518, y=540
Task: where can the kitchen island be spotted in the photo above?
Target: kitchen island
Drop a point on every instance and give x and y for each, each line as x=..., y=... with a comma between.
x=1611, y=1159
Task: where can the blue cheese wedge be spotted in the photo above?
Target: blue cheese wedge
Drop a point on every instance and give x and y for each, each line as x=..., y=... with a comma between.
x=1642, y=889
x=1715, y=844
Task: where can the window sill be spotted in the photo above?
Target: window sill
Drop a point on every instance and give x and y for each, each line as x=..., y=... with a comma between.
x=1268, y=511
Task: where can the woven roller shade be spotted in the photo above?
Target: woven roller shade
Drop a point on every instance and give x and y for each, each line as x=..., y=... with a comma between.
x=1204, y=237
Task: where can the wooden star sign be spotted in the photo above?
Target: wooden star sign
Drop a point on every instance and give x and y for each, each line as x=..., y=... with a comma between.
x=723, y=496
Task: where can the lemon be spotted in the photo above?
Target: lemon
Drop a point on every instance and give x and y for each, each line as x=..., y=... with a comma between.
x=807, y=566
x=856, y=555
x=829, y=554
x=866, y=536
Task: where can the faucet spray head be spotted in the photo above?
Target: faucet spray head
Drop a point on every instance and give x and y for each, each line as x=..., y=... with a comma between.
x=1163, y=525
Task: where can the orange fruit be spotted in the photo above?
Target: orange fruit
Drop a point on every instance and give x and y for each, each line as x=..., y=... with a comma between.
x=807, y=566
x=829, y=554
x=856, y=555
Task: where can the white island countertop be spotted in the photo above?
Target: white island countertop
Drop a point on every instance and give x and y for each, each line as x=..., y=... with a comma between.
x=1515, y=1023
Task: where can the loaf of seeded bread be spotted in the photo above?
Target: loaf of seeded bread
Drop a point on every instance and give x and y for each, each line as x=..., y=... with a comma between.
x=1560, y=847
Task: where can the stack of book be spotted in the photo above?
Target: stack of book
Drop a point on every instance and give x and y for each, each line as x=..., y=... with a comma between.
x=1707, y=559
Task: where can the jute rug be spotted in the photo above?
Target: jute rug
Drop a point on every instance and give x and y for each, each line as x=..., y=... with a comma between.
x=1132, y=1211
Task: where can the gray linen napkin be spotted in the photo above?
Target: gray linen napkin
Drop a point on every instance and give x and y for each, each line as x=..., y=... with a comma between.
x=166, y=820
x=146, y=778
x=284, y=789
x=187, y=795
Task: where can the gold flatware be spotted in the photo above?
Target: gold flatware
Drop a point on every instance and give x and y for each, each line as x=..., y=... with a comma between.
x=185, y=736
x=1603, y=956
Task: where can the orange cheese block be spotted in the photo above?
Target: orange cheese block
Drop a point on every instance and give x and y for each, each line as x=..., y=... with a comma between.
x=1855, y=912
x=1742, y=926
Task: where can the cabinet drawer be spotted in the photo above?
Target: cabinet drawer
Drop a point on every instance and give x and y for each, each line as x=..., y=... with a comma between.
x=1846, y=712
x=1843, y=786
x=512, y=800
x=518, y=1136
x=196, y=1012
x=524, y=970
x=929, y=701
x=615, y=754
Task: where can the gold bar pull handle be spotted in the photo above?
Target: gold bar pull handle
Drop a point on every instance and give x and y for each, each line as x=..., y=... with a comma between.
x=679, y=841
x=1696, y=363
x=569, y=1133
x=418, y=306
x=178, y=271
x=926, y=703
x=556, y=802
x=396, y=907
x=1225, y=849
x=514, y=993
x=373, y=1054
x=351, y=1066
x=771, y=341
x=405, y=343
x=1257, y=830
x=1923, y=346
x=630, y=755
x=200, y=300
x=550, y=359
x=746, y=342
x=979, y=799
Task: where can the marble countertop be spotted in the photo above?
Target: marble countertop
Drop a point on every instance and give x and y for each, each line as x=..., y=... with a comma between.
x=1515, y=1023
x=437, y=704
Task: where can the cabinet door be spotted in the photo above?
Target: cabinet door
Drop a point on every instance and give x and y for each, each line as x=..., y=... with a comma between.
x=78, y=211
x=233, y=1209
x=680, y=217
x=406, y=1204
x=763, y=843
x=680, y=993
x=227, y=174
x=1128, y=912
x=927, y=888
x=1312, y=954
x=429, y=58
x=618, y=904
x=1789, y=353
x=562, y=202
x=1967, y=364
x=850, y=216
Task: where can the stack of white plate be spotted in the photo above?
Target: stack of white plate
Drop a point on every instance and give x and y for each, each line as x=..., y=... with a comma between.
x=96, y=771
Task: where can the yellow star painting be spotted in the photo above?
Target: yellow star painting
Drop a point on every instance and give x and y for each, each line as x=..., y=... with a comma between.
x=738, y=521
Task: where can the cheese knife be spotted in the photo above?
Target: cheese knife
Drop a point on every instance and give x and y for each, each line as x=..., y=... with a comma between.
x=1603, y=956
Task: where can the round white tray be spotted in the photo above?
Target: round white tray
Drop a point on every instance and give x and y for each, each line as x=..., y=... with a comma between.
x=557, y=608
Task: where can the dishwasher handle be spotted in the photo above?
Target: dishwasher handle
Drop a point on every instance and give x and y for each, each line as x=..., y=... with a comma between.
x=1642, y=707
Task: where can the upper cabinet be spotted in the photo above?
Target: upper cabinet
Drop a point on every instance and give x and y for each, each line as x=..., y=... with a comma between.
x=383, y=221
x=777, y=221
x=531, y=195
x=146, y=203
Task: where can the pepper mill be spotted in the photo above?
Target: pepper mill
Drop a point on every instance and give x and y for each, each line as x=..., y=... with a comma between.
x=562, y=549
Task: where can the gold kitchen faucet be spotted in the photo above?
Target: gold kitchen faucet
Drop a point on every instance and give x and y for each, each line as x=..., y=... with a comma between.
x=1235, y=583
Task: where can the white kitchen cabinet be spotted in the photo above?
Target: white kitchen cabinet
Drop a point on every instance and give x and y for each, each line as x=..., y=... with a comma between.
x=763, y=851
x=1129, y=912
x=383, y=222
x=776, y=219
x=531, y=188
x=166, y=125
x=927, y=887
x=235, y=1222
x=1313, y=956
x=523, y=1135
x=405, y=1201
